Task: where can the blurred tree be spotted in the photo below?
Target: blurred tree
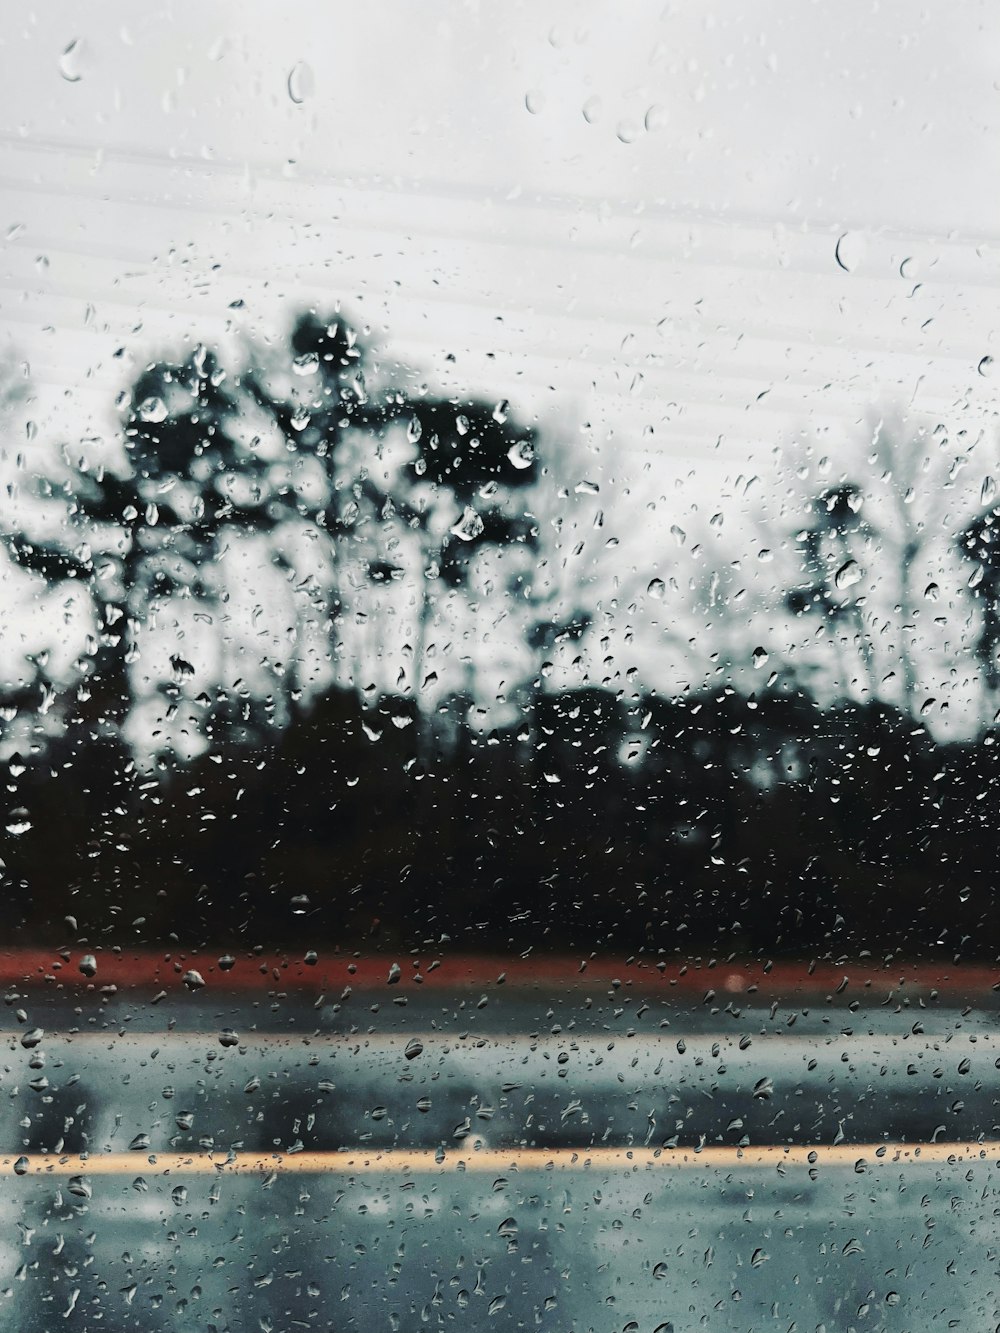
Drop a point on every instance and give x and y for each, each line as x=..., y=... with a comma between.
x=462, y=498
x=831, y=547
x=250, y=513
x=874, y=540
x=980, y=545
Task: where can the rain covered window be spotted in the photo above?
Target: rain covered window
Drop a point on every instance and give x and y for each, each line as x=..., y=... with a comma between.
x=499, y=667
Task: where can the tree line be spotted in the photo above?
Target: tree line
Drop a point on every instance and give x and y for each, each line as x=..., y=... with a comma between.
x=330, y=659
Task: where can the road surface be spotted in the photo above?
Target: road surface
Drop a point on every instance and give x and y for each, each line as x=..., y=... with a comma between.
x=498, y=1157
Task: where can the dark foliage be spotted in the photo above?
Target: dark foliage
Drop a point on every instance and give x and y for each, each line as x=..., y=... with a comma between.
x=711, y=822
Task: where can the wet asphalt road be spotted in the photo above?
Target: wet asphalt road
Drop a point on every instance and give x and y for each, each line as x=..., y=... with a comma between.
x=865, y=1242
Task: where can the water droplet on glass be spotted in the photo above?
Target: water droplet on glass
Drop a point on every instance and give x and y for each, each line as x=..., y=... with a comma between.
x=592, y=109
x=656, y=589
x=71, y=61
x=21, y=1166
x=848, y=574
x=469, y=526
x=655, y=118
x=534, y=101
x=152, y=409
x=193, y=979
x=414, y=430
x=850, y=250
x=521, y=455
x=587, y=488
x=986, y=367
x=759, y=658
x=18, y=822
x=79, y=1186
x=32, y=1037
x=301, y=82
x=932, y=592
x=88, y=965
x=140, y=1143
x=628, y=131
x=414, y=1047
x=307, y=364
x=227, y=1037
x=179, y=1195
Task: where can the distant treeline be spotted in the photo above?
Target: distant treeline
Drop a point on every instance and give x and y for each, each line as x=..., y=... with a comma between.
x=286, y=593
x=714, y=823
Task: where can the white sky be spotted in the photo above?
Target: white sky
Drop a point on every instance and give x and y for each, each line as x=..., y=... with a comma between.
x=176, y=175
x=674, y=287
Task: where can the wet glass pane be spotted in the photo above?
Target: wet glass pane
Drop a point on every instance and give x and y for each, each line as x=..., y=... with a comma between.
x=500, y=668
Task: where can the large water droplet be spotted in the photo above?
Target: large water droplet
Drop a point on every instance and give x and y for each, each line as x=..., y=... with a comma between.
x=656, y=589
x=655, y=118
x=152, y=409
x=21, y=1166
x=986, y=367
x=469, y=526
x=88, y=965
x=592, y=109
x=18, y=822
x=301, y=82
x=71, y=62
x=521, y=455
x=850, y=250
x=534, y=101
x=759, y=658
x=307, y=364
x=848, y=574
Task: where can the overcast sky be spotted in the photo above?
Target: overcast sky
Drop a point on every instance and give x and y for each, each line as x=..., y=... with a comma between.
x=480, y=178
x=624, y=218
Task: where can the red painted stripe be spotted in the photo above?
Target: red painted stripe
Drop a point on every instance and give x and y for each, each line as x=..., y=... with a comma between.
x=332, y=972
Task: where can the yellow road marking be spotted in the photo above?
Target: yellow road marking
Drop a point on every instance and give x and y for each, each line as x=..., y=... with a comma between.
x=404, y=1162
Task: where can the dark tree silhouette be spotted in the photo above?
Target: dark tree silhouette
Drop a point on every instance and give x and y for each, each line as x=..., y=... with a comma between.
x=980, y=545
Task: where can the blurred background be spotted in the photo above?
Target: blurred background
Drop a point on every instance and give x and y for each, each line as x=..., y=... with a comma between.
x=499, y=667
x=521, y=485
